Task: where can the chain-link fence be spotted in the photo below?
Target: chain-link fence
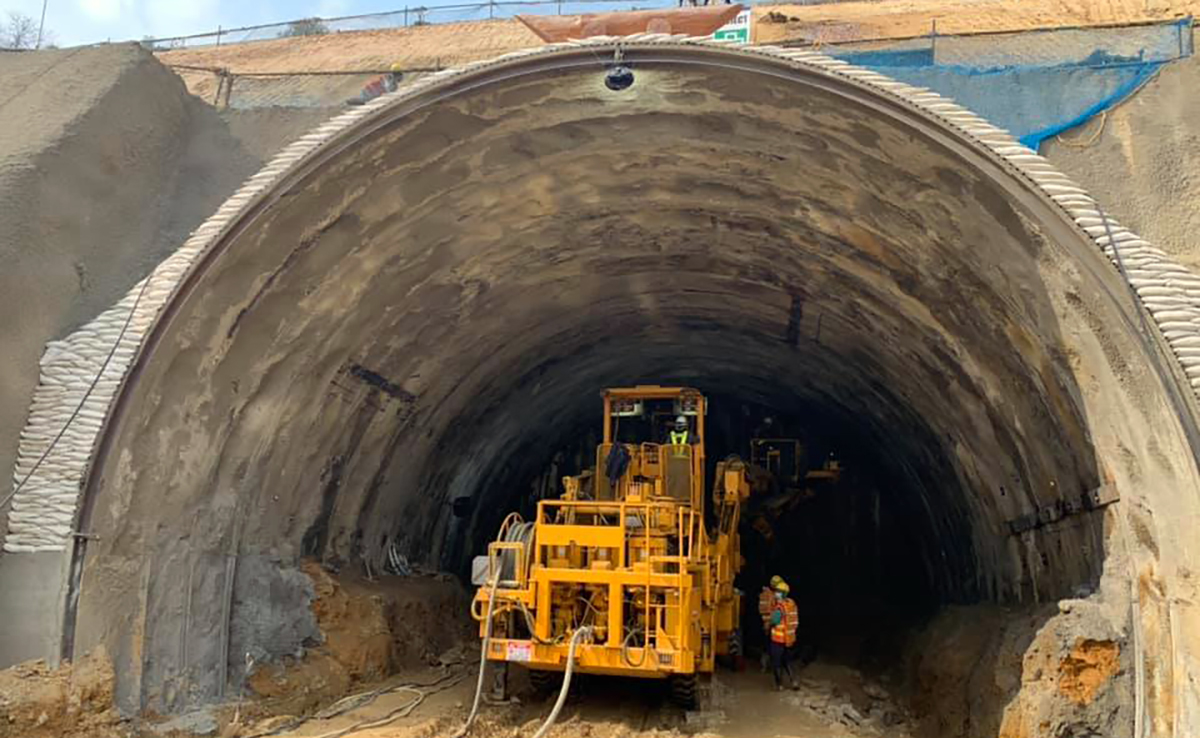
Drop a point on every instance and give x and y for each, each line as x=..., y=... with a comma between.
x=1093, y=47
x=1036, y=84
x=403, y=18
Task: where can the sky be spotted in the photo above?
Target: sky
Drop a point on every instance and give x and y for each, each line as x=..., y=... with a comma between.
x=74, y=22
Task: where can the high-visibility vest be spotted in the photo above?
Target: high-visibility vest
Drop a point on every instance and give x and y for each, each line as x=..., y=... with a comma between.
x=766, y=603
x=785, y=631
x=679, y=438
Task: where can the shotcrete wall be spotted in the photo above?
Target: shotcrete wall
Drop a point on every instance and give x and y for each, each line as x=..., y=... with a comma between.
x=108, y=164
x=428, y=288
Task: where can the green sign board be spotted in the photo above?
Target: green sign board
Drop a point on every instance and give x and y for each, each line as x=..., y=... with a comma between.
x=736, y=30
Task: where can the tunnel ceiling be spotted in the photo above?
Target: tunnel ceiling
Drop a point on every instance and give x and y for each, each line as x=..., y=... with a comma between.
x=454, y=273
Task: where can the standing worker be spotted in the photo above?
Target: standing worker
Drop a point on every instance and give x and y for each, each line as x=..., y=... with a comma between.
x=766, y=603
x=784, y=620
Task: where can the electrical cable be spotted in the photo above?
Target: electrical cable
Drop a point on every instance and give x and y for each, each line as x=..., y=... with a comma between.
x=566, y=685
x=91, y=387
x=353, y=702
x=625, y=650
x=483, y=652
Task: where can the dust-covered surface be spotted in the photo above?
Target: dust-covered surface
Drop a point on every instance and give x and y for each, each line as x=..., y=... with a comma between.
x=72, y=701
x=263, y=131
x=418, y=47
x=830, y=701
x=499, y=288
x=865, y=20
x=108, y=164
x=1142, y=160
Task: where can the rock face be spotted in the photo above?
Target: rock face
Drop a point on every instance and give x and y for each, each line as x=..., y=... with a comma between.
x=367, y=631
x=1045, y=671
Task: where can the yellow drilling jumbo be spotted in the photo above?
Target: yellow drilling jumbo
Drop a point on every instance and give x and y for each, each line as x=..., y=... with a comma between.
x=628, y=553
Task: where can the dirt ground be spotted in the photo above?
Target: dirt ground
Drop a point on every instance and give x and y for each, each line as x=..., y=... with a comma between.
x=73, y=701
x=398, y=659
x=371, y=630
x=832, y=702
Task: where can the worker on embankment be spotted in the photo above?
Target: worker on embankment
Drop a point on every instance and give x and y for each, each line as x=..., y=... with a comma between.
x=784, y=621
x=378, y=86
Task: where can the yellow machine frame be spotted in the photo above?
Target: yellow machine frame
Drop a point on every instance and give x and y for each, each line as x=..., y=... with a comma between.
x=636, y=562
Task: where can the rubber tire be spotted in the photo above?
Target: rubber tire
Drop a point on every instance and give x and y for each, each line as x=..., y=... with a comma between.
x=685, y=691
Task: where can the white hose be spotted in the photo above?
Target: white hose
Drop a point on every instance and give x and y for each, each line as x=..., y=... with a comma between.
x=483, y=651
x=566, y=685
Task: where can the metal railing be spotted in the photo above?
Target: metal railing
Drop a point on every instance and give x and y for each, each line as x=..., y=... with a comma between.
x=401, y=18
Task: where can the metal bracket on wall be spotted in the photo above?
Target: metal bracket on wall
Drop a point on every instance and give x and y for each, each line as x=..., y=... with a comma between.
x=1101, y=496
x=356, y=384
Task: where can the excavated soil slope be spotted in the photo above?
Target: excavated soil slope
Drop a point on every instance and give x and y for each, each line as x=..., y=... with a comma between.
x=433, y=46
x=106, y=164
x=833, y=22
x=74, y=701
x=1145, y=164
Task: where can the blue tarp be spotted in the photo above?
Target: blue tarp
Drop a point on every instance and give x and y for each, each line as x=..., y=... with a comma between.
x=1032, y=102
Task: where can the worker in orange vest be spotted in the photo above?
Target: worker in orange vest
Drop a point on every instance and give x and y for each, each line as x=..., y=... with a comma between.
x=766, y=603
x=784, y=621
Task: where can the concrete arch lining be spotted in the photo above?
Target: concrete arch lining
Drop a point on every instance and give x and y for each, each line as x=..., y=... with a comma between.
x=62, y=363
x=994, y=154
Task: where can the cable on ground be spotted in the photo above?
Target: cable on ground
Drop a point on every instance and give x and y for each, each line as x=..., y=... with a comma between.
x=483, y=652
x=353, y=702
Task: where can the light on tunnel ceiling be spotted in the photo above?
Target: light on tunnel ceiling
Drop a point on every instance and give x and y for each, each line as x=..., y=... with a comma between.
x=618, y=78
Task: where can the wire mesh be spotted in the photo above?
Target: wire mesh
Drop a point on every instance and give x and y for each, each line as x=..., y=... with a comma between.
x=1090, y=47
x=403, y=18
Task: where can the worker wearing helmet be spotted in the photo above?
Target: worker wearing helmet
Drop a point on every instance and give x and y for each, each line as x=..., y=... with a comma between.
x=679, y=432
x=766, y=603
x=380, y=85
x=679, y=436
x=784, y=621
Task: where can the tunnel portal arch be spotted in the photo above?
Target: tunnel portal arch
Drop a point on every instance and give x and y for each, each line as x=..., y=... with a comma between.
x=427, y=287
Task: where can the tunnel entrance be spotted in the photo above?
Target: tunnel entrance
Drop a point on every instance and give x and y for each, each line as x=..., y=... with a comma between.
x=839, y=520
x=388, y=349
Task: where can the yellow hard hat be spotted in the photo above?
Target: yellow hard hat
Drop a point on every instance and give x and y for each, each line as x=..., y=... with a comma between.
x=782, y=586
x=397, y=67
x=775, y=581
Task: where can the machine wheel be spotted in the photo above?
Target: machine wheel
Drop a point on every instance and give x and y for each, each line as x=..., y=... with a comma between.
x=685, y=690
x=735, y=643
x=544, y=682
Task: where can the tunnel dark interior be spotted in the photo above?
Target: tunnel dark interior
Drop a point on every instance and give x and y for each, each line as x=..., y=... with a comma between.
x=858, y=552
x=394, y=349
